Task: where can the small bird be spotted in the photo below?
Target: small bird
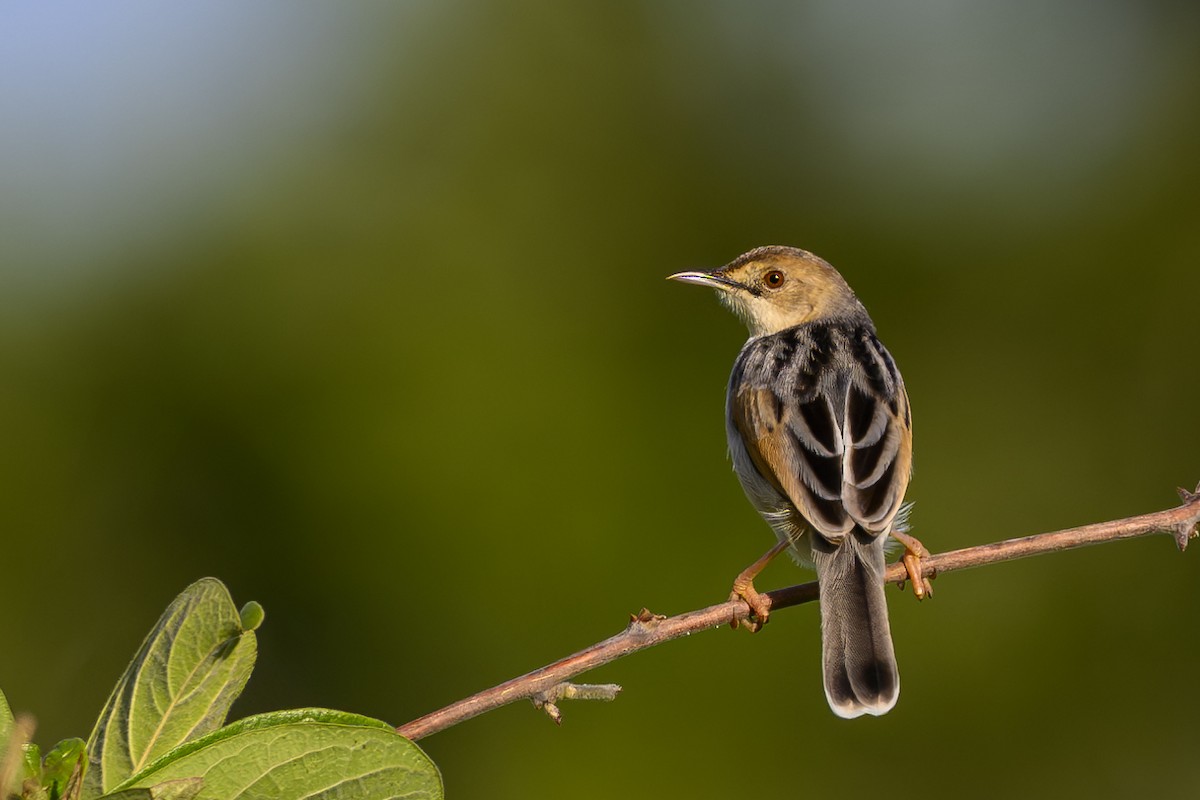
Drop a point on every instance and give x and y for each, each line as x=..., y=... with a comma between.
x=820, y=436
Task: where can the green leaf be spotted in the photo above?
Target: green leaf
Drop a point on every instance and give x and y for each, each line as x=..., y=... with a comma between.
x=31, y=763
x=20, y=759
x=182, y=789
x=179, y=686
x=61, y=765
x=10, y=751
x=252, y=615
x=312, y=753
x=6, y=720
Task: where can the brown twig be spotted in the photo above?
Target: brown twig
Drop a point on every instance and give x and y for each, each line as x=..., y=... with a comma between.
x=647, y=630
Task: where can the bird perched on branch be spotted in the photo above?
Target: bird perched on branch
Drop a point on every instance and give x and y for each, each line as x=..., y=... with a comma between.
x=820, y=435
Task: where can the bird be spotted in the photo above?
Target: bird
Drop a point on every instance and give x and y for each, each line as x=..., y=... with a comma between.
x=820, y=435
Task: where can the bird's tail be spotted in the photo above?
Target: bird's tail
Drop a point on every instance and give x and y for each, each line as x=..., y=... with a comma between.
x=859, y=664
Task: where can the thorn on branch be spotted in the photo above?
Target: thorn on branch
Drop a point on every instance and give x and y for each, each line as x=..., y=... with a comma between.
x=1183, y=533
x=1187, y=529
x=548, y=700
x=644, y=621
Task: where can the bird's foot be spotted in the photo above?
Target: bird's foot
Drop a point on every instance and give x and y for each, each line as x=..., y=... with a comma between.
x=914, y=551
x=760, y=605
x=743, y=589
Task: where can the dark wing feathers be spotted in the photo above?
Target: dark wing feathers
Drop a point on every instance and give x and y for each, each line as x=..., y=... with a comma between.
x=824, y=418
x=817, y=426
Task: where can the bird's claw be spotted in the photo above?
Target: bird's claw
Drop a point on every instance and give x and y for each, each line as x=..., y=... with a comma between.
x=760, y=606
x=914, y=551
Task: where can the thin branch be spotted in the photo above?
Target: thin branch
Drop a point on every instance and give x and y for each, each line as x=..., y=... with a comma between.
x=647, y=629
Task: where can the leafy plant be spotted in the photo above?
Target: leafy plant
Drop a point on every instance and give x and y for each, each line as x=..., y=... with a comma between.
x=162, y=733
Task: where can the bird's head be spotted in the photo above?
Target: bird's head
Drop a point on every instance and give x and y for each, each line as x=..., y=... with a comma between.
x=774, y=288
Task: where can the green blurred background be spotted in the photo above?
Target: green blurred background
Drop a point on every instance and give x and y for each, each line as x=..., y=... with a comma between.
x=360, y=308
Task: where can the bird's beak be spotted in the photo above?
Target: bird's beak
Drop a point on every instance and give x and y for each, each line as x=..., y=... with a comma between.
x=712, y=279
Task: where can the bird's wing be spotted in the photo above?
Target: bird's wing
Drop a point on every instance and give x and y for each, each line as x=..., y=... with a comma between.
x=878, y=453
x=833, y=436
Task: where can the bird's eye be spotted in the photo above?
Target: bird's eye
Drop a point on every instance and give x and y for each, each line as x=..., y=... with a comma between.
x=773, y=279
